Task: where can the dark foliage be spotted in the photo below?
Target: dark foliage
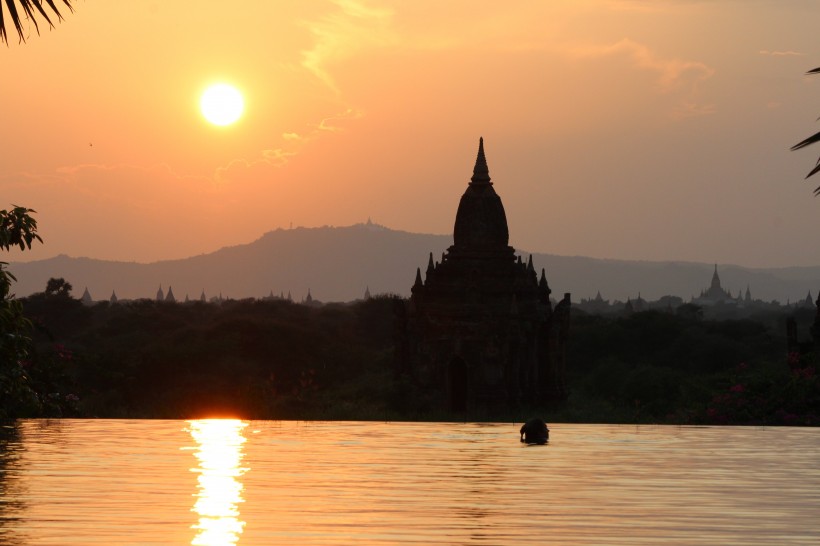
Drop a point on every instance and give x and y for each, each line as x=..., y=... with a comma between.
x=18, y=229
x=678, y=368
x=251, y=358
x=279, y=360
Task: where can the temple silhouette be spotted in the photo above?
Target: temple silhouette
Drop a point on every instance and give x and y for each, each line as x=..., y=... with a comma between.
x=480, y=330
x=717, y=294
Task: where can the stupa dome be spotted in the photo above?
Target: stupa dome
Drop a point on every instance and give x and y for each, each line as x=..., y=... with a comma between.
x=481, y=222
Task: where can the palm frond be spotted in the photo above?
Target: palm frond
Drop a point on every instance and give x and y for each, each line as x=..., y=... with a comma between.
x=811, y=140
x=30, y=10
x=815, y=170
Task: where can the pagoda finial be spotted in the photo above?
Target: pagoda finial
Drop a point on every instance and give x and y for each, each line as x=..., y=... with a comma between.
x=418, y=285
x=542, y=283
x=481, y=173
x=715, y=278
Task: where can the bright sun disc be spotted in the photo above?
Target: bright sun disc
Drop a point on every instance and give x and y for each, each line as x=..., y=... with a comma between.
x=221, y=104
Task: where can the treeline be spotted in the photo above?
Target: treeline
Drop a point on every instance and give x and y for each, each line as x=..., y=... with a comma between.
x=657, y=366
x=271, y=359
x=280, y=360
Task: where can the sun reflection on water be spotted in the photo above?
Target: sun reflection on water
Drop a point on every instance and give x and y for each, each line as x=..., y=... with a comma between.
x=219, y=443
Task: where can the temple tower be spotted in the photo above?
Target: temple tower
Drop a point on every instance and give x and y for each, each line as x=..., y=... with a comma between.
x=480, y=330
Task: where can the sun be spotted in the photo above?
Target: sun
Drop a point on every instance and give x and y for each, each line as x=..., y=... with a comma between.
x=221, y=104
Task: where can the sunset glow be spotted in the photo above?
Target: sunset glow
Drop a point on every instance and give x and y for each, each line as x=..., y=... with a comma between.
x=615, y=129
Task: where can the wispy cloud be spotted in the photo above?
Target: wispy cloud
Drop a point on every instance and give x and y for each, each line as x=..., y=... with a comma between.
x=788, y=53
x=137, y=184
x=342, y=34
x=690, y=110
x=291, y=144
x=643, y=6
x=334, y=124
x=672, y=75
x=352, y=27
x=116, y=211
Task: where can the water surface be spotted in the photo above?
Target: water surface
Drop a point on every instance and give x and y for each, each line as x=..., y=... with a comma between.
x=224, y=482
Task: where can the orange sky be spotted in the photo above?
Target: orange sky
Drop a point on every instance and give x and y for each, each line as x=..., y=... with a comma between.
x=655, y=130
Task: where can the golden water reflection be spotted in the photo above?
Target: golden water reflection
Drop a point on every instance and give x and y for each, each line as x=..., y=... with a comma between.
x=219, y=444
x=125, y=482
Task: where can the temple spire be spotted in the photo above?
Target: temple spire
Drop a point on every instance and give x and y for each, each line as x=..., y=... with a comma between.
x=543, y=285
x=715, y=278
x=481, y=173
x=418, y=285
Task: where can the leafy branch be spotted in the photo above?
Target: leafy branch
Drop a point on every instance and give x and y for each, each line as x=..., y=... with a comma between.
x=17, y=228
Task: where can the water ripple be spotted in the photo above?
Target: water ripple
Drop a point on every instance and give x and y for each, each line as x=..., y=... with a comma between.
x=273, y=482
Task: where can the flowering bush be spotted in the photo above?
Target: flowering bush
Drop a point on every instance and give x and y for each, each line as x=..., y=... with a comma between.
x=757, y=397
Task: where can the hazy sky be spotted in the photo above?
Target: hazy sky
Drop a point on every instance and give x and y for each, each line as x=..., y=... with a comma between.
x=655, y=130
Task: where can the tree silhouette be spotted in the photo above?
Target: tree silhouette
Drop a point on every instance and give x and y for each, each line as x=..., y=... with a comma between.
x=17, y=229
x=811, y=140
x=28, y=9
x=58, y=287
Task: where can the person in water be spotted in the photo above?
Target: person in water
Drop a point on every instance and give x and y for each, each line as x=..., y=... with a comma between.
x=535, y=431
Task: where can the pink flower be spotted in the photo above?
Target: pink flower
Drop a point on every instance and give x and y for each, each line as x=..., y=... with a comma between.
x=62, y=352
x=737, y=388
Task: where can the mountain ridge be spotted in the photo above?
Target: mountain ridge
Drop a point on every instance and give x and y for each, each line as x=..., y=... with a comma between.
x=340, y=263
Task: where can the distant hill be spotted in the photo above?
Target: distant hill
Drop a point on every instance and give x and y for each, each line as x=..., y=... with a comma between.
x=339, y=263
